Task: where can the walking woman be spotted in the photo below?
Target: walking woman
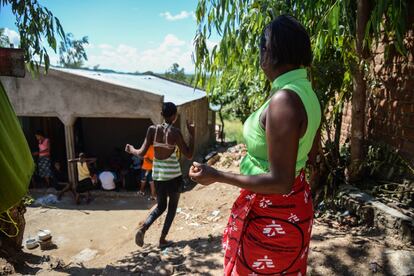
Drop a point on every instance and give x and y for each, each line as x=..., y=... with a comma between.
x=270, y=224
x=166, y=173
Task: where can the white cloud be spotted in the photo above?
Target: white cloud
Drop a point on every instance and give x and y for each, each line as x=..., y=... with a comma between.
x=105, y=46
x=14, y=37
x=89, y=46
x=210, y=44
x=54, y=58
x=157, y=59
x=182, y=15
x=171, y=40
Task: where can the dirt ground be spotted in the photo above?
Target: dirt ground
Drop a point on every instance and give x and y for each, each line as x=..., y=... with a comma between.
x=98, y=239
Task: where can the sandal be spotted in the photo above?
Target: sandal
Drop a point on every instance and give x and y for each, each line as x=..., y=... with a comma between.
x=139, y=237
x=165, y=244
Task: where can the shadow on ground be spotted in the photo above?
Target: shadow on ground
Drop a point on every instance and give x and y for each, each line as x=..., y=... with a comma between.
x=189, y=257
x=101, y=201
x=335, y=252
x=203, y=256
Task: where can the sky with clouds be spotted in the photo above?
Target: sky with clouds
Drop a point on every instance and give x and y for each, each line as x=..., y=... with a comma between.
x=125, y=35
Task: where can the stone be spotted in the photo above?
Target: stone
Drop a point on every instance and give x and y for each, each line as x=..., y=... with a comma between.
x=399, y=262
x=164, y=269
x=152, y=258
x=375, y=213
x=112, y=271
x=137, y=269
x=85, y=255
x=5, y=267
x=187, y=250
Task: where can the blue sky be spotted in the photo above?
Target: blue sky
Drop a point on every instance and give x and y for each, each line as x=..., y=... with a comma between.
x=125, y=35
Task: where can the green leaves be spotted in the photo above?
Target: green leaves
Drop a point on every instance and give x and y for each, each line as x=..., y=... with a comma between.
x=4, y=39
x=331, y=24
x=36, y=24
x=225, y=68
x=72, y=52
x=176, y=73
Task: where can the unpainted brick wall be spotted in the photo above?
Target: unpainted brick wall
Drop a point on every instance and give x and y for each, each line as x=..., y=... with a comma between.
x=390, y=95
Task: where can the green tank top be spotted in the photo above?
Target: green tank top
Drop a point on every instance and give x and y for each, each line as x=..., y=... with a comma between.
x=256, y=161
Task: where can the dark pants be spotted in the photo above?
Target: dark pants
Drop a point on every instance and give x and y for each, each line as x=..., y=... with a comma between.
x=85, y=185
x=166, y=189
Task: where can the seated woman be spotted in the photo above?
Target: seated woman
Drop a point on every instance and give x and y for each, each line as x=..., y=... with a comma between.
x=85, y=179
x=107, y=178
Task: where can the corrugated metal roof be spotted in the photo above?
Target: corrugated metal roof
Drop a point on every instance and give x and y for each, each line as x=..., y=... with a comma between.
x=172, y=91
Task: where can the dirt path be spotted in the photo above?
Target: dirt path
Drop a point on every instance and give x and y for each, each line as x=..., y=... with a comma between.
x=98, y=239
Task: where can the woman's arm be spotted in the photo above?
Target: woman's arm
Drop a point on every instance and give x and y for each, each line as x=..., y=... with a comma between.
x=73, y=160
x=145, y=145
x=46, y=141
x=284, y=121
x=187, y=151
x=90, y=160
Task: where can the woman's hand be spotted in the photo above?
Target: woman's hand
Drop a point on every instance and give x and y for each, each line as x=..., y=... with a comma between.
x=190, y=128
x=203, y=174
x=129, y=148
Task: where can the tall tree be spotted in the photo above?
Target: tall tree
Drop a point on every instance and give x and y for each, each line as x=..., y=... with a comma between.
x=349, y=28
x=37, y=28
x=359, y=93
x=72, y=51
x=176, y=73
x=4, y=39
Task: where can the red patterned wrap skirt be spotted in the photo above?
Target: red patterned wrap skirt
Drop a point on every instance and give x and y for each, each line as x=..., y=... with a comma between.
x=269, y=234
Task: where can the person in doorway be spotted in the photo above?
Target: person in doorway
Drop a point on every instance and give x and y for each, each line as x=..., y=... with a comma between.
x=135, y=168
x=85, y=179
x=43, y=164
x=107, y=179
x=167, y=175
x=146, y=173
x=270, y=225
x=60, y=178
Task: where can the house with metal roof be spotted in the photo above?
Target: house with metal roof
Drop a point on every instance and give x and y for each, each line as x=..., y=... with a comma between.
x=98, y=112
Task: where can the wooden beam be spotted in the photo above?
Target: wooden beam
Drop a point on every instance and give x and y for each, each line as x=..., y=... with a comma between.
x=12, y=62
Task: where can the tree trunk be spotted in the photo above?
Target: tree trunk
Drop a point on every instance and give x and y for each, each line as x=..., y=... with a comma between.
x=12, y=244
x=337, y=134
x=359, y=95
x=222, y=126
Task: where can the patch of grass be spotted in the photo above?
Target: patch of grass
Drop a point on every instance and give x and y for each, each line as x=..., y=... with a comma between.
x=233, y=130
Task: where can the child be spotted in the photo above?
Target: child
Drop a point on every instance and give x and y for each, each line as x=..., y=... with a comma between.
x=146, y=173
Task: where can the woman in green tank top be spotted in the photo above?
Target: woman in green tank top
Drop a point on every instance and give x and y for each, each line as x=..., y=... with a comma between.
x=271, y=221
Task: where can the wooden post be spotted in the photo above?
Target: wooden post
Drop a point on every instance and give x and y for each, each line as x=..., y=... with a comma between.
x=70, y=149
